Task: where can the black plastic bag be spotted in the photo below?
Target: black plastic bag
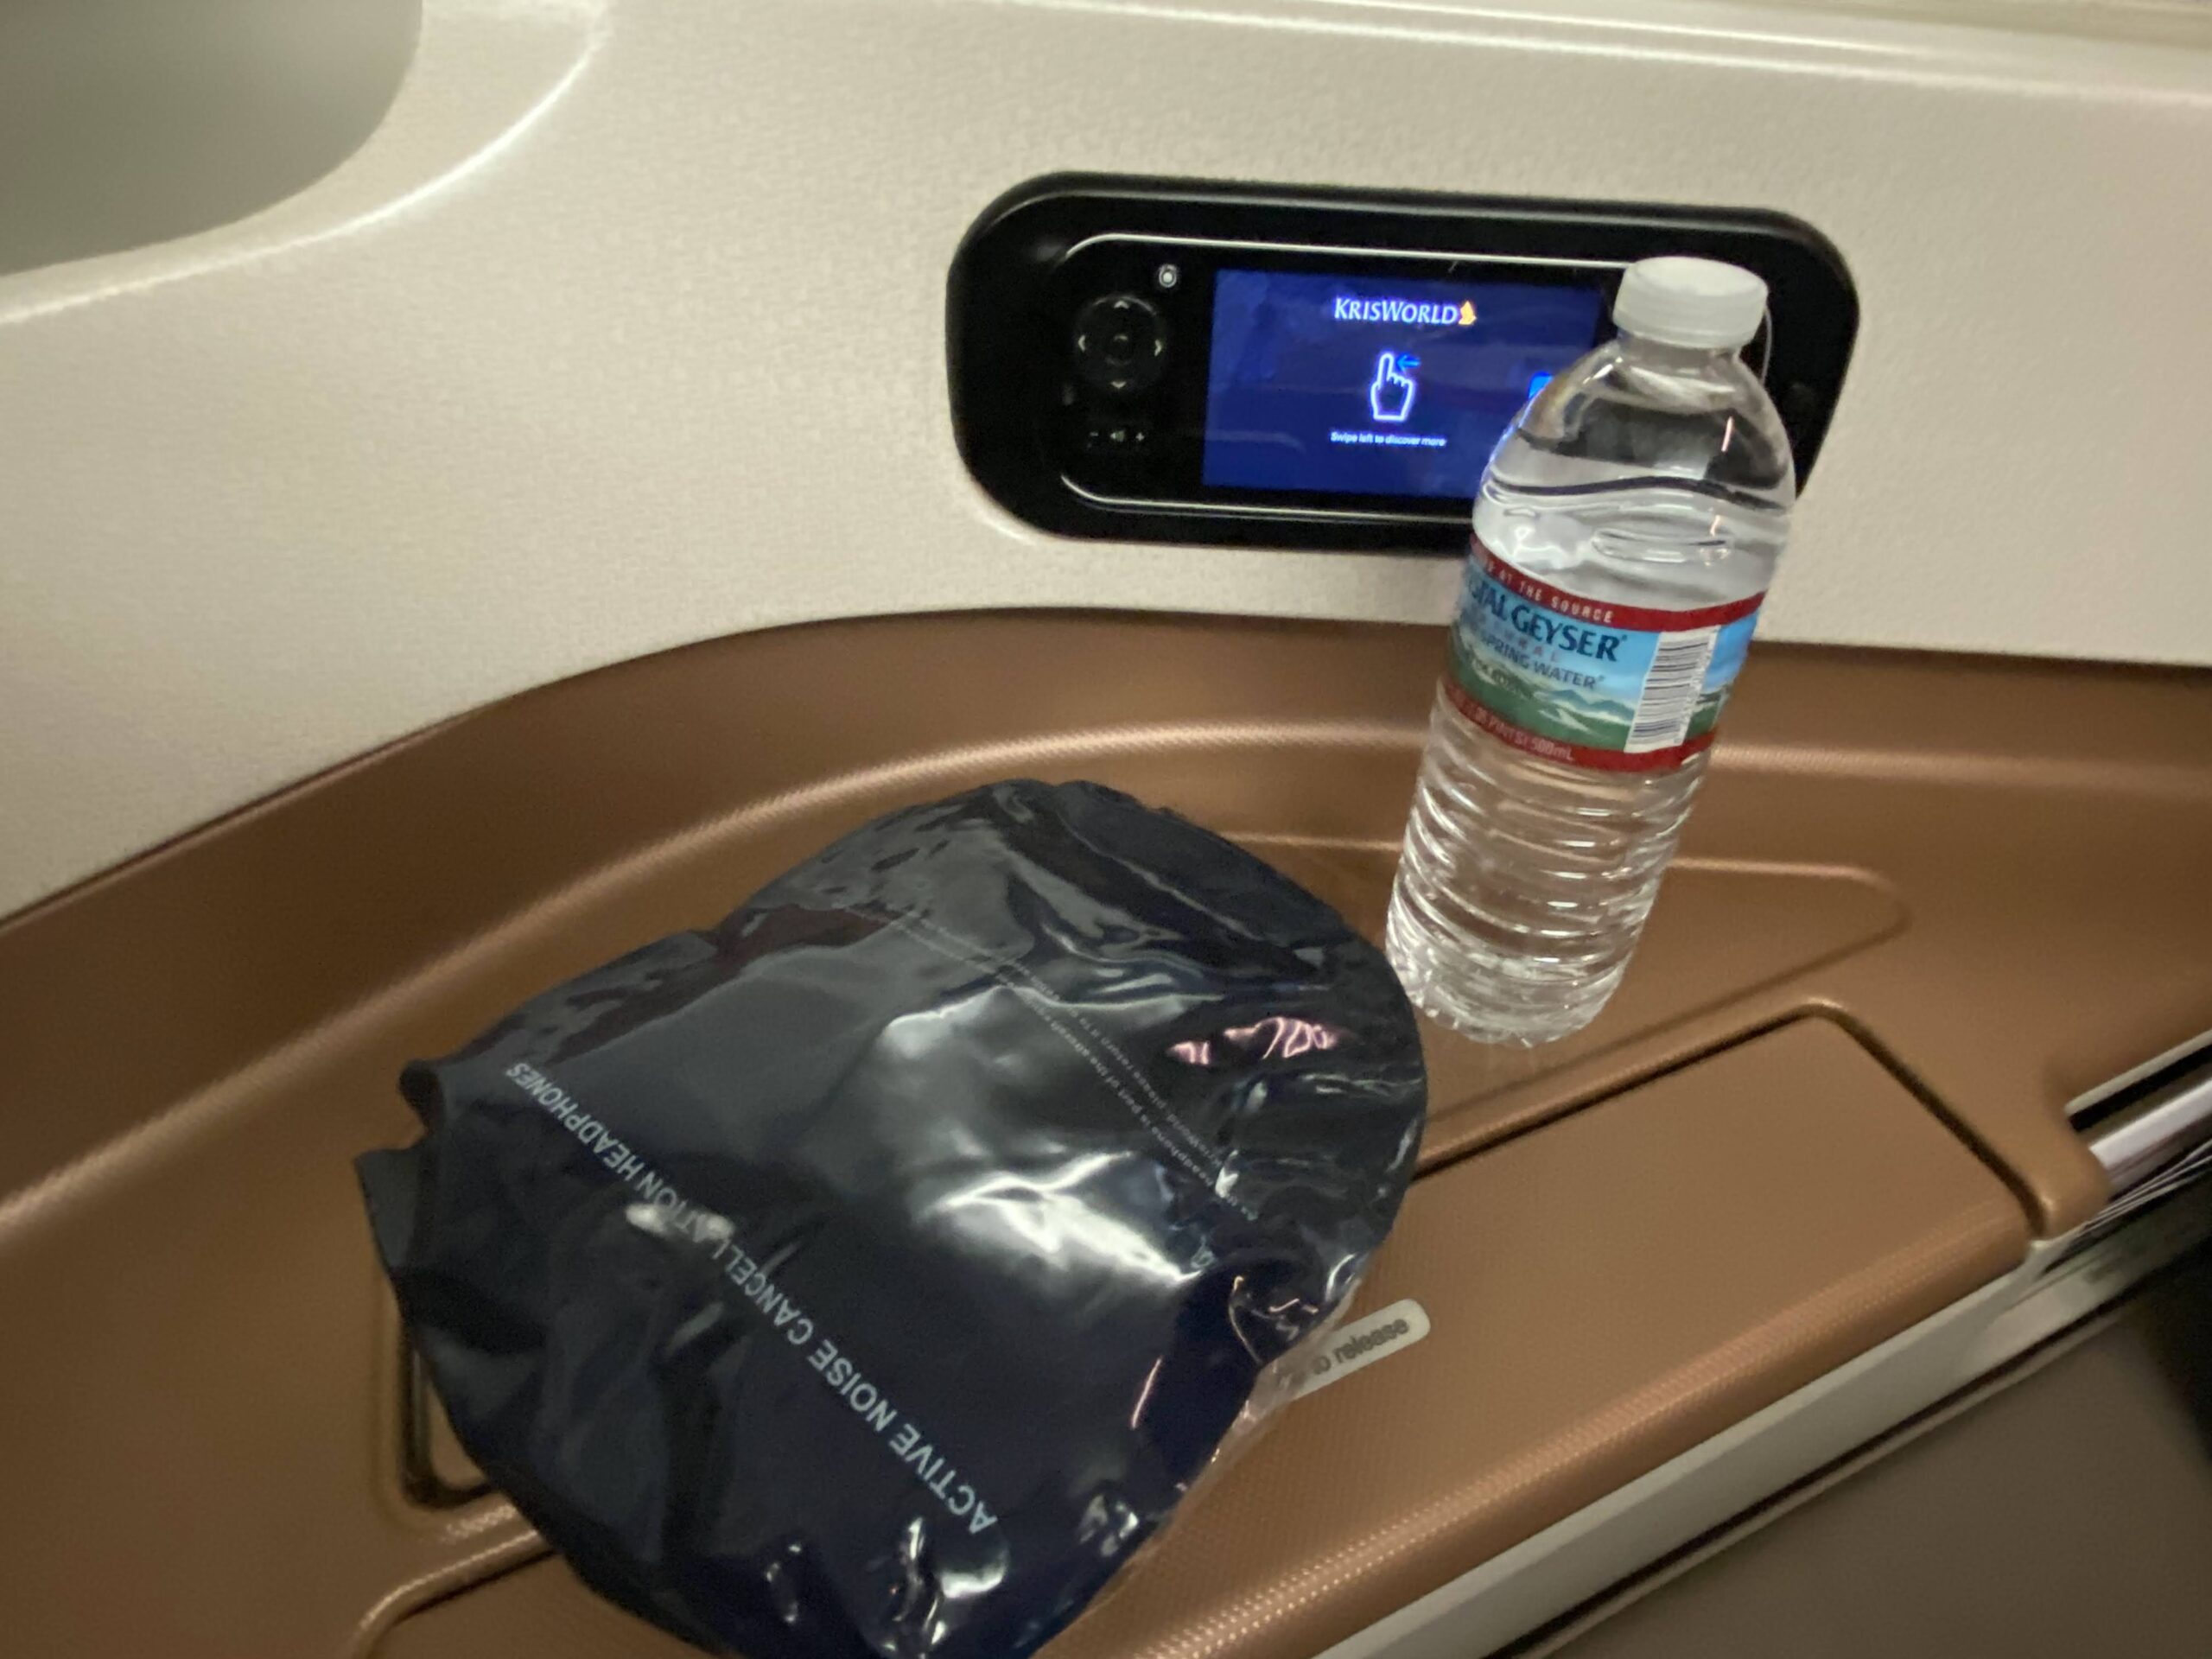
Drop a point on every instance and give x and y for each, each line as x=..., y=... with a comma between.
x=872, y=1273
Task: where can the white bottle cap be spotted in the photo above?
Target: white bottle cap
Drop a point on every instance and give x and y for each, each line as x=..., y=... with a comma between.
x=1678, y=301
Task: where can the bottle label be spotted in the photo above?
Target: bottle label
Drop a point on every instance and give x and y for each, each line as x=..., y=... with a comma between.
x=1617, y=688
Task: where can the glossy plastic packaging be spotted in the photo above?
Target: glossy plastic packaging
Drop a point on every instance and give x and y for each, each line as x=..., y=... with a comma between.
x=872, y=1273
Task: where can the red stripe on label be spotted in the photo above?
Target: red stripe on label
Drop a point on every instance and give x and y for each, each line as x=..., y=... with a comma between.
x=1570, y=754
x=1632, y=617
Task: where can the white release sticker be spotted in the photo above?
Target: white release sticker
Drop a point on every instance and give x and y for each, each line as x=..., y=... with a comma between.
x=1376, y=1336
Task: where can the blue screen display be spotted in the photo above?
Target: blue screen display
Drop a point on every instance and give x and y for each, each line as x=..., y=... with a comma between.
x=1377, y=385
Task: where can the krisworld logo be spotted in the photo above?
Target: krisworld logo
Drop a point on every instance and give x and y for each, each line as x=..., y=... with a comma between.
x=1409, y=312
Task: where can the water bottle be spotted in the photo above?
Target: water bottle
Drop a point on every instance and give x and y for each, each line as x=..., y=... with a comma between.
x=1624, y=535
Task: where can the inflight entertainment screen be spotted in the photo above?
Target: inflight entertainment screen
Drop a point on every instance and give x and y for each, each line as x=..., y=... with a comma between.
x=1377, y=385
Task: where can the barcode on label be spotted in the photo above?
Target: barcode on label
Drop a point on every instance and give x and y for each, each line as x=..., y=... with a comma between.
x=1671, y=689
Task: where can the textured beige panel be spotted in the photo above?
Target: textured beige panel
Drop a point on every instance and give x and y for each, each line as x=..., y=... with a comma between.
x=626, y=329
x=124, y=121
